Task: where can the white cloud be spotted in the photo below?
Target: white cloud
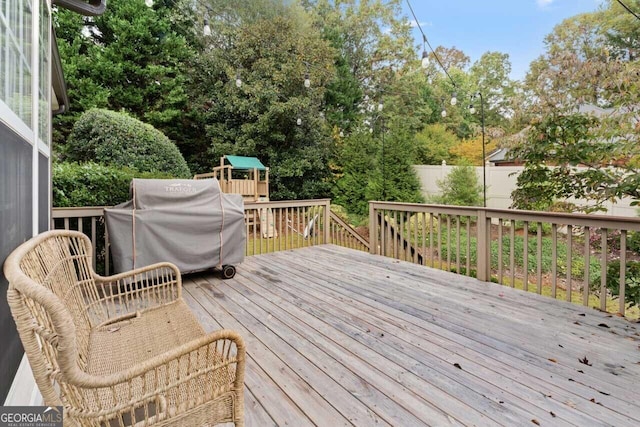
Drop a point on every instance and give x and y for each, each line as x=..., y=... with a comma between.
x=544, y=3
x=422, y=24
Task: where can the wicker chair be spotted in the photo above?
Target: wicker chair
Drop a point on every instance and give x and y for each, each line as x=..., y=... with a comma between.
x=123, y=350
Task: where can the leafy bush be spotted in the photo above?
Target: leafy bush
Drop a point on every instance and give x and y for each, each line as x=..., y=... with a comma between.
x=91, y=184
x=461, y=187
x=112, y=138
x=632, y=279
x=633, y=241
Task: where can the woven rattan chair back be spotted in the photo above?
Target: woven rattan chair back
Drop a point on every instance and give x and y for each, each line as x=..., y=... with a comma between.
x=50, y=288
x=120, y=350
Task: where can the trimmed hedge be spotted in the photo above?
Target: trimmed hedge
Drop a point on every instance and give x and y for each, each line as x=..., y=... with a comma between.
x=91, y=184
x=112, y=138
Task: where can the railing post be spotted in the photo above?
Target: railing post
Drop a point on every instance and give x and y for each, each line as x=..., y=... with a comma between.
x=326, y=220
x=484, y=246
x=373, y=229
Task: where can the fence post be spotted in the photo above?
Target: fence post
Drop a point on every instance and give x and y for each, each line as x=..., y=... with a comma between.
x=326, y=219
x=373, y=229
x=484, y=248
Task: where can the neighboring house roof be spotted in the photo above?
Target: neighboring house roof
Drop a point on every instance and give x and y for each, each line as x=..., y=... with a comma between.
x=59, y=97
x=595, y=110
x=248, y=163
x=499, y=155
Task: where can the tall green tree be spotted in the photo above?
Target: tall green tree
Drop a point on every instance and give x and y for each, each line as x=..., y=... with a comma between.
x=248, y=86
x=585, y=114
x=490, y=75
x=358, y=159
x=396, y=179
x=433, y=145
x=130, y=58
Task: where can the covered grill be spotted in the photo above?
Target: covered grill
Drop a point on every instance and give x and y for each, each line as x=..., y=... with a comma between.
x=190, y=223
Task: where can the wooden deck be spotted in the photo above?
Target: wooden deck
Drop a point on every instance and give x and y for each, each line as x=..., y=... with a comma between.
x=341, y=337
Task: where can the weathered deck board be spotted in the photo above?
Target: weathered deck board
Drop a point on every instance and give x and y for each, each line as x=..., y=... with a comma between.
x=340, y=337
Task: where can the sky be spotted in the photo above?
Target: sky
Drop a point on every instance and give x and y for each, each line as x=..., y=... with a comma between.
x=516, y=27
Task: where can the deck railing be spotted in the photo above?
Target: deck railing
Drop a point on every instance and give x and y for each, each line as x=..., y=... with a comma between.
x=270, y=226
x=580, y=258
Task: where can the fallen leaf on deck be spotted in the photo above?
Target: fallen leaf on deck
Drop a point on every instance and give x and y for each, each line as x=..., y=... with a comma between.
x=582, y=314
x=603, y=325
x=552, y=414
x=585, y=361
x=570, y=404
x=576, y=323
x=536, y=422
x=592, y=400
x=581, y=371
x=560, y=345
x=457, y=365
x=552, y=360
x=605, y=393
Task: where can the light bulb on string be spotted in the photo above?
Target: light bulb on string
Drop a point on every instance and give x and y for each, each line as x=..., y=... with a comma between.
x=454, y=99
x=472, y=109
x=238, y=80
x=444, y=113
x=149, y=3
x=425, y=60
x=307, y=81
x=207, y=29
x=299, y=121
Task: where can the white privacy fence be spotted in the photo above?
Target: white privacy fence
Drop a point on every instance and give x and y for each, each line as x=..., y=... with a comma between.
x=501, y=181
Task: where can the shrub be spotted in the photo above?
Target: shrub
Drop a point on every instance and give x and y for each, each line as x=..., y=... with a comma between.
x=112, y=138
x=461, y=187
x=632, y=281
x=91, y=184
x=633, y=241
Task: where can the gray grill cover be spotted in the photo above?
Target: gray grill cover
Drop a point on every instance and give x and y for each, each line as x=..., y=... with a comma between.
x=190, y=223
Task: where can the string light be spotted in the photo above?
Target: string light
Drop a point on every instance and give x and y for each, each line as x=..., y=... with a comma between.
x=299, y=121
x=207, y=29
x=238, y=80
x=454, y=99
x=425, y=59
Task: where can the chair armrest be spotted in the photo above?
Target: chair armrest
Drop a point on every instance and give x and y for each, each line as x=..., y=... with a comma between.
x=178, y=380
x=123, y=295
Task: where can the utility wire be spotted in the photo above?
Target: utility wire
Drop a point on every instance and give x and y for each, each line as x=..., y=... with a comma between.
x=424, y=39
x=629, y=10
